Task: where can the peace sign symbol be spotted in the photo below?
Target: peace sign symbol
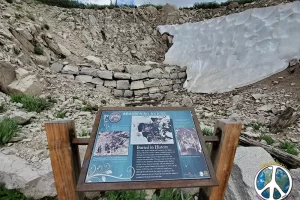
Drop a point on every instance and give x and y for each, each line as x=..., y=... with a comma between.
x=273, y=190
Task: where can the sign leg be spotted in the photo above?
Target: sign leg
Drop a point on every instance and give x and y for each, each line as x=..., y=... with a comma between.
x=222, y=155
x=64, y=157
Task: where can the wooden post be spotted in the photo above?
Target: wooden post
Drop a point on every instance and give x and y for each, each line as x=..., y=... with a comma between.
x=223, y=154
x=64, y=157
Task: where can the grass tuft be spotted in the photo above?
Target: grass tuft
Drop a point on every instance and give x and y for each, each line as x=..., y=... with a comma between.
x=268, y=139
x=256, y=126
x=207, y=132
x=289, y=148
x=61, y=114
x=84, y=133
x=125, y=195
x=7, y=194
x=31, y=103
x=172, y=194
x=38, y=50
x=8, y=129
x=2, y=108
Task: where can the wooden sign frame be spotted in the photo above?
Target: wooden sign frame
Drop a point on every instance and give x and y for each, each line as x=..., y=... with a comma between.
x=82, y=186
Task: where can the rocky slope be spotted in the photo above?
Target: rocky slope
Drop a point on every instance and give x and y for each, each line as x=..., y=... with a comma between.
x=116, y=37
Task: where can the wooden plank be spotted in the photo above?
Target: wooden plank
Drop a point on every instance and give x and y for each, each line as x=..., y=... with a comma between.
x=223, y=154
x=80, y=141
x=211, y=139
x=64, y=157
x=284, y=157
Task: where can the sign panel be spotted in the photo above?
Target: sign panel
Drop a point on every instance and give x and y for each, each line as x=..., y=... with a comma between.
x=138, y=145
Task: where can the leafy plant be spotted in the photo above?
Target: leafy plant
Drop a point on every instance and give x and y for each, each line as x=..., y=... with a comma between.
x=61, y=114
x=268, y=139
x=6, y=194
x=31, y=103
x=289, y=147
x=84, y=133
x=8, y=129
x=207, y=132
x=172, y=194
x=125, y=195
x=38, y=50
x=2, y=108
x=256, y=126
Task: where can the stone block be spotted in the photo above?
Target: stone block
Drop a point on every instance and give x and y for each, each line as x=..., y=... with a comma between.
x=156, y=73
x=152, y=83
x=164, y=82
x=7, y=75
x=105, y=74
x=128, y=93
x=170, y=70
x=123, y=84
x=118, y=93
x=110, y=84
x=70, y=69
x=154, y=90
x=97, y=81
x=119, y=75
x=137, y=68
x=139, y=76
x=141, y=92
x=88, y=71
x=115, y=67
x=84, y=78
x=135, y=85
x=157, y=96
x=173, y=75
x=166, y=88
x=30, y=85
x=56, y=67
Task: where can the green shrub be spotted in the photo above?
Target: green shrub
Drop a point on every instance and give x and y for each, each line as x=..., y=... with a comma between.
x=256, y=126
x=6, y=194
x=31, y=103
x=8, y=129
x=206, y=5
x=125, y=195
x=61, y=114
x=172, y=194
x=268, y=139
x=84, y=133
x=2, y=108
x=207, y=132
x=289, y=147
x=38, y=50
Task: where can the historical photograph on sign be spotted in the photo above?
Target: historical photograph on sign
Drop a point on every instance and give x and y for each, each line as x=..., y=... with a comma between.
x=188, y=142
x=114, y=143
x=151, y=130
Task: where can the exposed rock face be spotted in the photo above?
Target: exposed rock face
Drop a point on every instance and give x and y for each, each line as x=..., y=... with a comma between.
x=247, y=163
x=295, y=173
x=15, y=173
x=7, y=75
x=30, y=85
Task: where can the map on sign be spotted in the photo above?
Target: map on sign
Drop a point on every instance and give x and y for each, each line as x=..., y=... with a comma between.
x=146, y=145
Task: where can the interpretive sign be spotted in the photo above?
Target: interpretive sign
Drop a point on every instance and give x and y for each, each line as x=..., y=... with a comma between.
x=142, y=145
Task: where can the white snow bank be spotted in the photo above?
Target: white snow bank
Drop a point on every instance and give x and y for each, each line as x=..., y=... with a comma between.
x=236, y=50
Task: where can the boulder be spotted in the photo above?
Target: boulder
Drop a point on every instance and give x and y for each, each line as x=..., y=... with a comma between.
x=137, y=85
x=25, y=33
x=123, y=84
x=20, y=73
x=41, y=60
x=247, y=162
x=84, y=78
x=137, y=68
x=156, y=73
x=119, y=75
x=34, y=183
x=105, y=74
x=94, y=59
x=115, y=67
x=7, y=75
x=56, y=67
x=21, y=117
x=64, y=50
x=139, y=76
x=70, y=69
x=88, y=71
x=128, y=93
x=97, y=81
x=187, y=101
x=152, y=83
x=30, y=85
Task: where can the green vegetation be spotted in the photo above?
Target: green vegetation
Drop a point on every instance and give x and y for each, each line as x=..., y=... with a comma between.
x=31, y=103
x=31, y=17
x=61, y=114
x=125, y=195
x=214, y=4
x=6, y=194
x=172, y=194
x=268, y=139
x=38, y=50
x=289, y=148
x=2, y=108
x=256, y=126
x=8, y=129
x=84, y=133
x=207, y=132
